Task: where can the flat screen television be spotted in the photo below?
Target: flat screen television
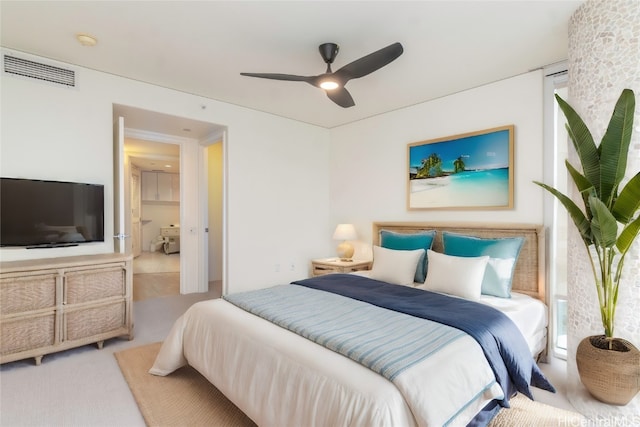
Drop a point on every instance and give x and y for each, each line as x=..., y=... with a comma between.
x=36, y=213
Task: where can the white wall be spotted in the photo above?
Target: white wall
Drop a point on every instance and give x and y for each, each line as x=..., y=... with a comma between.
x=369, y=157
x=277, y=176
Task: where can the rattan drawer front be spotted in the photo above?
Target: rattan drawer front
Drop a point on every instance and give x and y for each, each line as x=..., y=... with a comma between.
x=27, y=293
x=95, y=320
x=20, y=334
x=54, y=304
x=92, y=285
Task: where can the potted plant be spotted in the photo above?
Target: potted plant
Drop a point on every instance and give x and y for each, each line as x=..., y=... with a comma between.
x=609, y=367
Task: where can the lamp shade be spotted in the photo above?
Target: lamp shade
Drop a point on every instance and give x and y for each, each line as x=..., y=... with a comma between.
x=345, y=232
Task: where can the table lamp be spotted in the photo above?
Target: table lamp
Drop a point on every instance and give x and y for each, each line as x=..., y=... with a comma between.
x=345, y=232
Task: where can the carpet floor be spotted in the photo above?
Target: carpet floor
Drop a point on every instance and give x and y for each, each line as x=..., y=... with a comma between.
x=153, y=285
x=186, y=398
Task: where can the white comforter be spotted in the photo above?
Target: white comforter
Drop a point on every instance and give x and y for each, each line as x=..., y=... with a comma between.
x=281, y=379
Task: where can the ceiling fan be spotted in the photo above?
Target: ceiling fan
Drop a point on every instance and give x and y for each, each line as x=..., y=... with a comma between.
x=333, y=82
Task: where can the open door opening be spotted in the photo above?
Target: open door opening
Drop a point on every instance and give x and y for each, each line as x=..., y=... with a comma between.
x=154, y=178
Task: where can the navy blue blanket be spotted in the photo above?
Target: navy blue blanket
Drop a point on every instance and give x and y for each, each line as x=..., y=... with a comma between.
x=501, y=340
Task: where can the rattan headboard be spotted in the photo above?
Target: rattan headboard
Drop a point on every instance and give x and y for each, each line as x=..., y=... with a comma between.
x=529, y=275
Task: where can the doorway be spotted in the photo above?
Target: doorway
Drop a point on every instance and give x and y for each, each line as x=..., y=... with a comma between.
x=154, y=177
x=191, y=137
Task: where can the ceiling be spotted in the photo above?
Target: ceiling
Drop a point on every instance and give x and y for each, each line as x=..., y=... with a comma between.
x=153, y=156
x=200, y=47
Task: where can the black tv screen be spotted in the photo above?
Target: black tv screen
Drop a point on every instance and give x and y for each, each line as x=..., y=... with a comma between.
x=35, y=213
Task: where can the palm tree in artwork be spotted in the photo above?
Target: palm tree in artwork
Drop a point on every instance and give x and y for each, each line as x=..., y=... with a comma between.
x=431, y=166
x=458, y=165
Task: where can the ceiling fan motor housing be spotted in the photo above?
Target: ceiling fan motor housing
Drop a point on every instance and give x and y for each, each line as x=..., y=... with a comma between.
x=329, y=51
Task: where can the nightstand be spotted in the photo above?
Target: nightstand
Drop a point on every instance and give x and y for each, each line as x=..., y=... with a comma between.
x=323, y=266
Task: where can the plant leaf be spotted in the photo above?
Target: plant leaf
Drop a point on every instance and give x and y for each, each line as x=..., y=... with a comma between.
x=583, y=143
x=614, y=147
x=583, y=184
x=603, y=224
x=628, y=202
x=578, y=217
x=580, y=180
x=628, y=235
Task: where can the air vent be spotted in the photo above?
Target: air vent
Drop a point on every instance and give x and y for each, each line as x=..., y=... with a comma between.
x=36, y=70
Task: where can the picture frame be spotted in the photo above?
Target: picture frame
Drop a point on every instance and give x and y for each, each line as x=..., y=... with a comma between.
x=473, y=170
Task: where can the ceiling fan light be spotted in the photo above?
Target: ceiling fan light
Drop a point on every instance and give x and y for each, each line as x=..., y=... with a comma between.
x=329, y=85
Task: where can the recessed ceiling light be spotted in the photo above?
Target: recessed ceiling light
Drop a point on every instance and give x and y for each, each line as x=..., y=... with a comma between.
x=167, y=166
x=86, y=39
x=186, y=130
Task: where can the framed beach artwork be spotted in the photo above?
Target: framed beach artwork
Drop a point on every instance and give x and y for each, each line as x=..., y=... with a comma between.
x=468, y=171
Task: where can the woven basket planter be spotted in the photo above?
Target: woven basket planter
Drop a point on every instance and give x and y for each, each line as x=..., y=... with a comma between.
x=611, y=376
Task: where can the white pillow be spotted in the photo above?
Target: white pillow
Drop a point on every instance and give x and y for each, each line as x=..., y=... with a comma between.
x=395, y=266
x=454, y=275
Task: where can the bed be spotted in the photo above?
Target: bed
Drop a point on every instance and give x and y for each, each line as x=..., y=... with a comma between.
x=271, y=352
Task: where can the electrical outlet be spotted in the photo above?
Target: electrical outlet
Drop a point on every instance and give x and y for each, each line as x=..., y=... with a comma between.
x=277, y=268
x=292, y=266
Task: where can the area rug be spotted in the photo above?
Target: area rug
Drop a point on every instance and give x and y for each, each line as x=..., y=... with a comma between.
x=186, y=398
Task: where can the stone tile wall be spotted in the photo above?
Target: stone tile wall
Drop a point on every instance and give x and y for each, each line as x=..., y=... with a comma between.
x=604, y=58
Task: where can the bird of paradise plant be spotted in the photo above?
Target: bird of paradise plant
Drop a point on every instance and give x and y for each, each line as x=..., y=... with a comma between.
x=608, y=224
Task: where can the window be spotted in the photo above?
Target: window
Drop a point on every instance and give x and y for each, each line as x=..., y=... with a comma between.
x=555, y=216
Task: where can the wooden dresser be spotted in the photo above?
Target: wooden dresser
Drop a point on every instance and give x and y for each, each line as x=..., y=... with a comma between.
x=50, y=305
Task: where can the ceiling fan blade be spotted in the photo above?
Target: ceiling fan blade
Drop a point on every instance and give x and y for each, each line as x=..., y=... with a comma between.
x=369, y=63
x=287, y=77
x=341, y=97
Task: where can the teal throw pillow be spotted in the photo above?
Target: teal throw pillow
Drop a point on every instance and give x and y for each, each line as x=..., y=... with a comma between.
x=503, y=253
x=410, y=242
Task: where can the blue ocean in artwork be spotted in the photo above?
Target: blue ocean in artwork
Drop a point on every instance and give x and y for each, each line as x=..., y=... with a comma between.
x=481, y=178
x=469, y=188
